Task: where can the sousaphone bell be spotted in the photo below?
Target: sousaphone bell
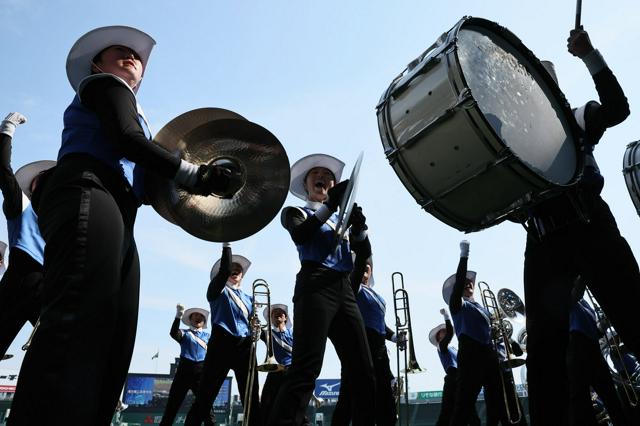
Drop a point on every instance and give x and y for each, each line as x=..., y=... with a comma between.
x=219, y=136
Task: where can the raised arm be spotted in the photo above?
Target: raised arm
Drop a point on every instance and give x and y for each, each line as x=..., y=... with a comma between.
x=11, y=192
x=613, y=108
x=455, y=302
x=220, y=280
x=175, y=331
x=444, y=343
x=360, y=245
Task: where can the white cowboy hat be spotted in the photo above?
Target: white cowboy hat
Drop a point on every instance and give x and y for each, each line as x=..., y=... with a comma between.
x=301, y=168
x=235, y=258
x=95, y=41
x=447, y=287
x=285, y=308
x=3, y=256
x=28, y=172
x=188, y=312
x=434, y=332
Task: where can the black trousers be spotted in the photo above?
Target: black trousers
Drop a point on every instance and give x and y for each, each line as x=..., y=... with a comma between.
x=269, y=391
x=20, y=289
x=385, y=407
x=324, y=306
x=598, y=253
x=225, y=352
x=187, y=377
x=80, y=354
x=587, y=368
x=477, y=367
x=449, y=399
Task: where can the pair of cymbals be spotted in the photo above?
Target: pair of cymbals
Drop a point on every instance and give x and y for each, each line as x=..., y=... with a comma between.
x=208, y=135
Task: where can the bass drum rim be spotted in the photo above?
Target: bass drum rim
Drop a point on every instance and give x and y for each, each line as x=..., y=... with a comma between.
x=630, y=171
x=483, y=130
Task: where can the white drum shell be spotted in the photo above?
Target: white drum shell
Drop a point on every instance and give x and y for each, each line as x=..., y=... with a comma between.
x=459, y=170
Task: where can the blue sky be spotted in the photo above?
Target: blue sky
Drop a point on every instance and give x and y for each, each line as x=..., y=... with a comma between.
x=312, y=73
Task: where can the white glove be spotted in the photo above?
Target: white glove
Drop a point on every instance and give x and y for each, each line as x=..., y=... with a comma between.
x=10, y=122
x=179, y=310
x=464, y=248
x=445, y=314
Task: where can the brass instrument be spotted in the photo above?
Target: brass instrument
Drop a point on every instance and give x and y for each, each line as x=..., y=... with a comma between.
x=33, y=333
x=403, y=327
x=624, y=378
x=500, y=335
x=260, y=289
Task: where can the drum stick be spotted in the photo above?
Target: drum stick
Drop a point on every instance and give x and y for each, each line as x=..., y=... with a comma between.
x=578, y=13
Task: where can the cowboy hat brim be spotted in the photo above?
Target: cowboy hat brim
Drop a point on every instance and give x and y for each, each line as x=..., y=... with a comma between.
x=447, y=287
x=28, y=172
x=95, y=41
x=235, y=258
x=301, y=168
x=187, y=321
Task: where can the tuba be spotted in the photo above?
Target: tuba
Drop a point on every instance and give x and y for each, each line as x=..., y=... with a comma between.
x=403, y=326
x=260, y=175
x=500, y=335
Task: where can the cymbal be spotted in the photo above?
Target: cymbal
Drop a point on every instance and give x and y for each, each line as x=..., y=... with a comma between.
x=212, y=134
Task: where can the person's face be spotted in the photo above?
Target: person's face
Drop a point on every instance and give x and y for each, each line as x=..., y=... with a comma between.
x=122, y=62
x=235, y=277
x=440, y=335
x=367, y=275
x=468, y=289
x=278, y=317
x=317, y=182
x=197, y=320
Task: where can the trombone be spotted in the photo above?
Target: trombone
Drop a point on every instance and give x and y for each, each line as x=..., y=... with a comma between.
x=260, y=290
x=624, y=376
x=30, y=339
x=403, y=326
x=500, y=334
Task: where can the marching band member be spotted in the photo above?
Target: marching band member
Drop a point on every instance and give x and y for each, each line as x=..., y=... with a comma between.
x=231, y=334
x=324, y=302
x=20, y=286
x=282, y=336
x=86, y=212
x=440, y=337
x=477, y=360
x=193, y=348
x=586, y=367
x=372, y=307
x=576, y=233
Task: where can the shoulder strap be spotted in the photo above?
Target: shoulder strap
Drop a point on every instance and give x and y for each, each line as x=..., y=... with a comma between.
x=238, y=302
x=198, y=340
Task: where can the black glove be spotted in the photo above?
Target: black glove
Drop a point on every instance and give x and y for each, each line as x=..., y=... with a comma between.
x=220, y=179
x=335, y=195
x=357, y=220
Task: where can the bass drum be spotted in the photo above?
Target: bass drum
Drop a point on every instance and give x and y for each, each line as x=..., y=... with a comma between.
x=631, y=171
x=476, y=129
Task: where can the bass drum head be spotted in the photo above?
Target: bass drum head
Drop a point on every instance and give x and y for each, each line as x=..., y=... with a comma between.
x=529, y=115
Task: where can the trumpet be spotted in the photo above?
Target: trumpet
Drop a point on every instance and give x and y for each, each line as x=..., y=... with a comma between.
x=403, y=327
x=500, y=334
x=624, y=377
x=260, y=290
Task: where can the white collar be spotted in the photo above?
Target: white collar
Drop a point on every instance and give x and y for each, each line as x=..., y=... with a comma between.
x=233, y=286
x=313, y=205
x=192, y=328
